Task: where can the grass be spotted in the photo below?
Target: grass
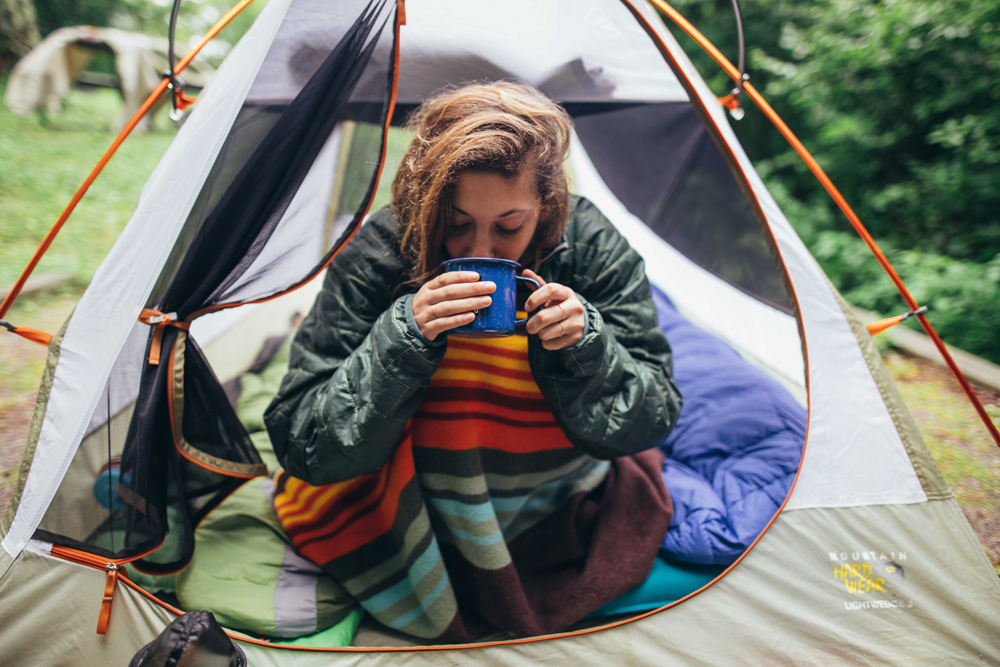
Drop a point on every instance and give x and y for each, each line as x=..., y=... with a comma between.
x=43, y=160
x=957, y=439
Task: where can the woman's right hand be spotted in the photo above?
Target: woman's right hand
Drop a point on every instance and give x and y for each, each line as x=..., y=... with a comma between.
x=447, y=302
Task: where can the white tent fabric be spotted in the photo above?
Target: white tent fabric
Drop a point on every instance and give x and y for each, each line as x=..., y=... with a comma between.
x=108, y=311
x=600, y=55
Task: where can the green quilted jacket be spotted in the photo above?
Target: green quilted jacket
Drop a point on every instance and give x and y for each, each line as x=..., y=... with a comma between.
x=359, y=366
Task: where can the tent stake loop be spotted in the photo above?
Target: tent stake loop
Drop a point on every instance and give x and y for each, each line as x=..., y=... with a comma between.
x=34, y=335
x=104, y=618
x=159, y=321
x=875, y=328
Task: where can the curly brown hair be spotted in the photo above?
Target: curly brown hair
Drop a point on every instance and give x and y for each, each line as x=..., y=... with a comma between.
x=502, y=128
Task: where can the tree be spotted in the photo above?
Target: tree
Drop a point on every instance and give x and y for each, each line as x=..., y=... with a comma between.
x=18, y=28
x=897, y=99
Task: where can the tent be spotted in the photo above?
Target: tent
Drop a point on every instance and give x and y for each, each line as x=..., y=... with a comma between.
x=41, y=79
x=279, y=163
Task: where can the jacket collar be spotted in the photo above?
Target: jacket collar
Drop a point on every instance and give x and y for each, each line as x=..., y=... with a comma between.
x=556, y=249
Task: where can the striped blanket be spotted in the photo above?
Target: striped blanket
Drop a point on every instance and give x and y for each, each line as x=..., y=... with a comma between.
x=486, y=517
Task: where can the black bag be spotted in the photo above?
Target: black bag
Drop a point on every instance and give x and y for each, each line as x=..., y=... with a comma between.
x=193, y=640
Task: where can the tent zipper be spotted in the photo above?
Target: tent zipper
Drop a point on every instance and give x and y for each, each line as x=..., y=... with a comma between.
x=113, y=570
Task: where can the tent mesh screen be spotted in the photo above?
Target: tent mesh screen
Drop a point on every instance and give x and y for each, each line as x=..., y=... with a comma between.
x=177, y=448
x=659, y=160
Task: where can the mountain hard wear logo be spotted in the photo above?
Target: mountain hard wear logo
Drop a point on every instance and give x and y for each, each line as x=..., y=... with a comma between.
x=871, y=572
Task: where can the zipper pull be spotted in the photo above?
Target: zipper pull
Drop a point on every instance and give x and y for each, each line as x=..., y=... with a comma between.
x=109, y=593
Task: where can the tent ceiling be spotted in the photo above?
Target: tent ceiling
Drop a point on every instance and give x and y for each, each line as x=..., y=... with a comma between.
x=574, y=51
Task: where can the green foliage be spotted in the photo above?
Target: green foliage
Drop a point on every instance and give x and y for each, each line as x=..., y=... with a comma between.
x=148, y=16
x=899, y=101
x=41, y=166
x=53, y=14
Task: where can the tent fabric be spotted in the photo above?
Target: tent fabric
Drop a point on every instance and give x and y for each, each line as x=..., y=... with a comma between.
x=596, y=58
x=41, y=401
x=107, y=313
x=926, y=470
x=225, y=244
x=40, y=80
x=871, y=436
x=785, y=601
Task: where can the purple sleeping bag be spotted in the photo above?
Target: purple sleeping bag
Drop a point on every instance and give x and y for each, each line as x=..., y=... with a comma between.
x=734, y=452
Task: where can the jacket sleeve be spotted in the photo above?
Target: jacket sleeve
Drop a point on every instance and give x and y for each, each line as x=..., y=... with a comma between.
x=613, y=392
x=358, y=368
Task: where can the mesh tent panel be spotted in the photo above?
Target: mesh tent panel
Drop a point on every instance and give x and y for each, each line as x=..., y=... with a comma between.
x=659, y=160
x=165, y=486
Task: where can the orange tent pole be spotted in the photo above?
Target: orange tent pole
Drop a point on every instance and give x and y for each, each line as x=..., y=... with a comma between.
x=95, y=172
x=838, y=198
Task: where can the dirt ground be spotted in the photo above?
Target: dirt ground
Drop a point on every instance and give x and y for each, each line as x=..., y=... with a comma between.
x=21, y=366
x=956, y=437
x=958, y=440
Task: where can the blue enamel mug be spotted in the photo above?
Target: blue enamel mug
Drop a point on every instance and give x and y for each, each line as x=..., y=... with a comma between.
x=500, y=317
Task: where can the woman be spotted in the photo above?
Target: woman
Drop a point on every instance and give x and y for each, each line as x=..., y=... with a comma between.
x=457, y=486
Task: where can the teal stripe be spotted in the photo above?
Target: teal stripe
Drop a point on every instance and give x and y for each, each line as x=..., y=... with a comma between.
x=470, y=512
x=485, y=540
x=554, y=487
x=420, y=609
x=508, y=504
x=420, y=568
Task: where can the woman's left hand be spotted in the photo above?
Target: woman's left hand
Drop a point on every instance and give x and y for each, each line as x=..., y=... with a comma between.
x=561, y=322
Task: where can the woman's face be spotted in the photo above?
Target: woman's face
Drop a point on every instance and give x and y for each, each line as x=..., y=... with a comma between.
x=493, y=216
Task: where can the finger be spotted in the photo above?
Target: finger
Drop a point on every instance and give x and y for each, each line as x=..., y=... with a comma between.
x=439, y=326
x=528, y=273
x=544, y=318
x=461, y=291
x=448, y=308
x=551, y=292
x=560, y=343
x=560, y=329
x=452, y=278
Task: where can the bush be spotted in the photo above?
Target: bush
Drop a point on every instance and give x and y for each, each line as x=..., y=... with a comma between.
x=963, y=297
x=898, y=101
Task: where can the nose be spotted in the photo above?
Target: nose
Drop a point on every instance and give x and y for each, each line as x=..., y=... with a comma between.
x=481, y=246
